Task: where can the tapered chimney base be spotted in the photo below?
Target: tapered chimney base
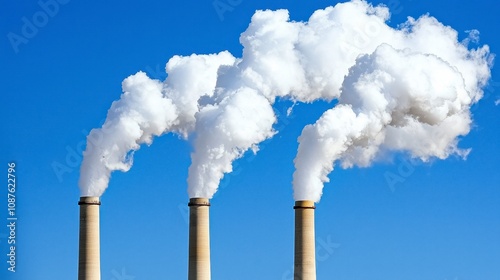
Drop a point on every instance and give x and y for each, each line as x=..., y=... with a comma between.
x=199, y=239
x=305, y=259
x=89, y=262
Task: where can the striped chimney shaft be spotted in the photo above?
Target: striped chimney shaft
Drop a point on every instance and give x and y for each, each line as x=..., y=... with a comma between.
x=89, y=262
x=199, y=239
x=305, y=259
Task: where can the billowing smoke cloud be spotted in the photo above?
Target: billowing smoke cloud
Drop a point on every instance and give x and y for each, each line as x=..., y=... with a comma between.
x=281, y=58
x=306, y=61
x=223, y=133
x=224, y=104
x=395, y=100
x=189, y=79
x=141, y=113
x=148, y=108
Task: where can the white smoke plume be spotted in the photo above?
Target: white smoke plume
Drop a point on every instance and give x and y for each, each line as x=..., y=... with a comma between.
x=281, y=58
x=306, y=61
x=189, y=78
x=147, y=108
x=223, y=133
x=392, y=100
x=141, y=113
x=224, y=104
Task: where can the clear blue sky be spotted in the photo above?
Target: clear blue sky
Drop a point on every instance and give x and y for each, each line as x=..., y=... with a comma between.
x=441, y=221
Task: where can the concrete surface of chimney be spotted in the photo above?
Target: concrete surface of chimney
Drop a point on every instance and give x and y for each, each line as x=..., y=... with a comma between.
x=89, y=262
x=305, y=259
x=199, y=239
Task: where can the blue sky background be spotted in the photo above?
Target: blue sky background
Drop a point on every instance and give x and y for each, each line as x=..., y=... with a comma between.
x=440, y=221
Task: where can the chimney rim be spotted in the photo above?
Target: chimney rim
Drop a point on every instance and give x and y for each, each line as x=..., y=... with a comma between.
x=304, y=204
x=198, y=201
x=89, y=200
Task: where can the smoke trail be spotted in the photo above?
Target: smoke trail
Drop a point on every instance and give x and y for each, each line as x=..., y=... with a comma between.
x=301, y=61
x=224, y=104
x=392, y=100
x=224, y=132
x=147, y=108
x=189, y=79
x=410, y=89
x=281, y=58
x=306, y=61
x=141, y=113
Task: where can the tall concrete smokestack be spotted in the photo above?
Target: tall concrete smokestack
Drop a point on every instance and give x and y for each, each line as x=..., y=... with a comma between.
x=305, y=259
x=199, y=239
x=89, y=262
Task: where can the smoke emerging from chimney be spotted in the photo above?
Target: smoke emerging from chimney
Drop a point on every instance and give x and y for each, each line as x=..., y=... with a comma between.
x=141, y=113
x=147, y=108
x=398, y=89
x=412, y=94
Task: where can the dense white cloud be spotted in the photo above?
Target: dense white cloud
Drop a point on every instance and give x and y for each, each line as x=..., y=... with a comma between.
x=391, y=100
x=406, y=89
x=141, y=113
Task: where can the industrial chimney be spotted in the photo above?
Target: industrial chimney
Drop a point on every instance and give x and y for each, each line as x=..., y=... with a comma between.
x=199, y=239
x=89, y=262
x=305, y=259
